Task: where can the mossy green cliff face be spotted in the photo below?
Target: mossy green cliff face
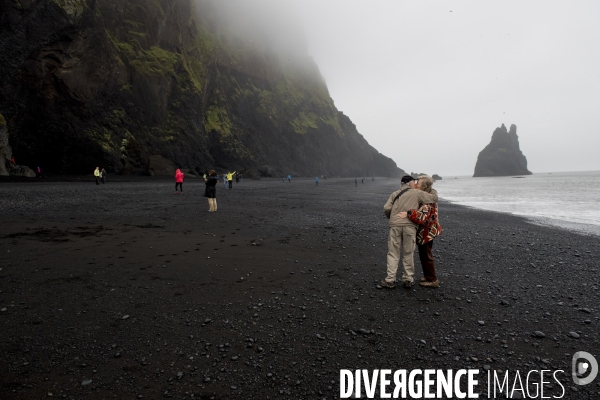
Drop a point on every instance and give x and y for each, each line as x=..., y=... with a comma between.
x=111, y=83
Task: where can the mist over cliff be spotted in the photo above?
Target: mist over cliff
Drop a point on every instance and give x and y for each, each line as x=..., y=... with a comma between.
x=141, y=86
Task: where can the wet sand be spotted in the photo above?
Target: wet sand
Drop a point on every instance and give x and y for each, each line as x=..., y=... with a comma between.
x=126, y=290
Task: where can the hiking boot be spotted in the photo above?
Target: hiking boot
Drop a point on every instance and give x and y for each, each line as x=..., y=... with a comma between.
x=435, y=284
x=407, y=284
x=386, y=284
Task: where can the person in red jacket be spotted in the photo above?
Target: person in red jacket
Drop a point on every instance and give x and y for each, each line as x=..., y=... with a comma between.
x=428, y=228
x=179, y=180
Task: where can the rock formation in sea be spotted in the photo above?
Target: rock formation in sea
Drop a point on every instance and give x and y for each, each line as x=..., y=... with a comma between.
x=502, y=156
x=140, y=86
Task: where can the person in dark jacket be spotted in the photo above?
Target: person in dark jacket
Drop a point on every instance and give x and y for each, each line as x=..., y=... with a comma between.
x=211, y=190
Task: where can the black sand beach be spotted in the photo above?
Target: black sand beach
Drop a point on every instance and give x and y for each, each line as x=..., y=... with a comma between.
x=126, y=291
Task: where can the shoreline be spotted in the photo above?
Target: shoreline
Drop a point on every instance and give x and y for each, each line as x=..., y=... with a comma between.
x=144, y=292
x=572, y=227
x=547, y=199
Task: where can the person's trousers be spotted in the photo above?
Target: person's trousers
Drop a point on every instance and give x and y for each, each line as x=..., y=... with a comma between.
x=97, y=183
x=427, y=262
x=401, y=246
x=180, y=184
x=212, y=204
x=230, y=184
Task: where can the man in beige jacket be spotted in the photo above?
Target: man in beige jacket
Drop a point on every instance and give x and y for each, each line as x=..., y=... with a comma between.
x=401, y=242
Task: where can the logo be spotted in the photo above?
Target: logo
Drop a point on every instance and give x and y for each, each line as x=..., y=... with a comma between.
x=584, y=367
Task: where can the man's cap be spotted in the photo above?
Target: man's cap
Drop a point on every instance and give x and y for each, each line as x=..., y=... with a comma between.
x=406, y=179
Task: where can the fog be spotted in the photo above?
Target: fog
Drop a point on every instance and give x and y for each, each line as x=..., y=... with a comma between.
x=427, y=82
x=269, y=25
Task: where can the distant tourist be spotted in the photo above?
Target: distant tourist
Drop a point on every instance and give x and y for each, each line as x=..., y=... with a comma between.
x=426, y=217
x=225, y=182
x=103, y=175
x=230, y=179
x=317, y=181
x=355, y=183
x=211, y=190
x=289, y=178
x=401, y=240
x=282, y=179
x=363, y=180
x=179, y=176
x=237, y=178
x=39, y=172
x=97, y=175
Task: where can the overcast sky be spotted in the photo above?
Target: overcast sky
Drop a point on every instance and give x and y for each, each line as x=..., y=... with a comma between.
x=427, y=82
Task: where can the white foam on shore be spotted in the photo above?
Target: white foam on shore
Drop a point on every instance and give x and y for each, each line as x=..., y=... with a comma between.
x=577, y=227
x=567, y=200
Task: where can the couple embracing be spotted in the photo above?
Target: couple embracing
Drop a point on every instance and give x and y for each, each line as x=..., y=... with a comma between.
x=412, y=211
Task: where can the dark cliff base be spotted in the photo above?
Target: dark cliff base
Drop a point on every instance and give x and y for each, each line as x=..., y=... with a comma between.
x=141, y=291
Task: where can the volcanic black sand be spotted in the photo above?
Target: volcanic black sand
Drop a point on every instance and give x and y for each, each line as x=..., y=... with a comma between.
x=126, y=291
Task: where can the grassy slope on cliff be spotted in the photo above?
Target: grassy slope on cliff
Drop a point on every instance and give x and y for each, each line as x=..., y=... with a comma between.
x=170, y=79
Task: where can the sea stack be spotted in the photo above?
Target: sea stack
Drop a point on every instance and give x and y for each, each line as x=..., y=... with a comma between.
x=502, y=157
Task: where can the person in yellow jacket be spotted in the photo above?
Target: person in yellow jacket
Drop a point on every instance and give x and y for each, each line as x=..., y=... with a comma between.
x=97, y=175
x=230, y=179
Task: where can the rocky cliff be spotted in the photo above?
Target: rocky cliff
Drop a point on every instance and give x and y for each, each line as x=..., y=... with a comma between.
x=125, y=83
x=8, y=165
x=502, y=157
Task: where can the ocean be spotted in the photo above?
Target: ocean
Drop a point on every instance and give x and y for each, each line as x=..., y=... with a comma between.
x=570, y=200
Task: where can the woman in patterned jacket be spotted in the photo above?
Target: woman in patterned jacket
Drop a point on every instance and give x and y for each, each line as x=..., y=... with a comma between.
x=428, y=227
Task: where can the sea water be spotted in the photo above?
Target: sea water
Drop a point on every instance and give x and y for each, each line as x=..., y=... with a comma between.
x=567, y=199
